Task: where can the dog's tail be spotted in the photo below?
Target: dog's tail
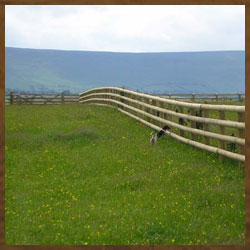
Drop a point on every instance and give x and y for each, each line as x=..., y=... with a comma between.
x=162, y=132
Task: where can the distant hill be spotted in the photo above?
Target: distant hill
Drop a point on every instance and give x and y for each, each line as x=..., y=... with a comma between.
x=36, y=70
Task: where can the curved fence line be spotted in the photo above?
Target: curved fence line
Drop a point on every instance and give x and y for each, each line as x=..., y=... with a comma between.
x=173, y=102
x=175, y=125
x=152, y=111
x=193, y=118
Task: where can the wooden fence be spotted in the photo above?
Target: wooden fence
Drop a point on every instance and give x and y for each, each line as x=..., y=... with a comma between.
x=204, y=97
x=206, y=126
x=63, y=98
x=40, y=98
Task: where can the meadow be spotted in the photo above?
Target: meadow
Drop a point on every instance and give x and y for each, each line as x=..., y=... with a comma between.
x=87, y=175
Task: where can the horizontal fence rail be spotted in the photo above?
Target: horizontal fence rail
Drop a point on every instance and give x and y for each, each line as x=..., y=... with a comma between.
x=204, y=97
x=61, y=98
x=201, y=125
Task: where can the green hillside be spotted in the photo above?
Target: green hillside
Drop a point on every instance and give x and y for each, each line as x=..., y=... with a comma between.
x=183, y=72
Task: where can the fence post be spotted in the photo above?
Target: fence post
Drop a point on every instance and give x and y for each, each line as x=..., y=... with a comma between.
x=138, y=106
x=62, y=98
x=147, y=101
x=111, y=97
x=132, y=103
x=162, y=115
x=216, y=96
x=169, y=95
x=241, y=132
x=165, y=116
x=206, y=126
x=170, y=107
x=170, y=117
x=222, y=132
x=105, y=91
x=158, y=113
x=138, y=98
x=239, y=97
x=141, y=106
x=193, y=124
x=110, y=91
x=181, y=121
x=193, y=97
x=11, y=98
x=121, y=100
x=154, y=112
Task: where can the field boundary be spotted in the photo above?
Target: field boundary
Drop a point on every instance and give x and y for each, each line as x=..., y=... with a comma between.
x=155, y=112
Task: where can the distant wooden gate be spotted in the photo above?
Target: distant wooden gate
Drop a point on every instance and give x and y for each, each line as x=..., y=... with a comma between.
x=40, y=98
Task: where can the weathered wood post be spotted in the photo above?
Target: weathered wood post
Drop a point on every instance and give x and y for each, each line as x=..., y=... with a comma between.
x=193, y=124
x=111, y=97
x=222, y=132
x=132, y=104
x=216, y=96
x=125, y=94
x=239, y=95
x=147, y=101
x=62, y=98
x=169, y=95
x=206, y=126
x=129, y=102
x=170, y=107
x=113, y=91
x=140, y=99
x=158, y=113
x=154, y=112
x=162, y=115
x=165, y=116
x=11, y=98
x=181, y=121
x=154, y=104
x=138, y=106
x=135, y=105
x=121, y=99
x=170, y=117
x=103, y=97
x=241, y=133
x=193, y=97
x=105, y=91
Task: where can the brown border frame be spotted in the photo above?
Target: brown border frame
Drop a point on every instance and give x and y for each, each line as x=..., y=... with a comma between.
x=121, y=2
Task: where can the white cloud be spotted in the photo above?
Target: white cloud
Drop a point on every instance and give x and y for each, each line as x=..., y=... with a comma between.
x=126, y=28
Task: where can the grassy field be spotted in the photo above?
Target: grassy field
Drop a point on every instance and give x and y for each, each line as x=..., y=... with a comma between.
x=87, y=175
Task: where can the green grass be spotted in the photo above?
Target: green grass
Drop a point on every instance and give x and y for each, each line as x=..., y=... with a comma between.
x=87, y=175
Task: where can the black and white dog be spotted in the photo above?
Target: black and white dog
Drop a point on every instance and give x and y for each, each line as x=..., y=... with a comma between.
x=154, y=137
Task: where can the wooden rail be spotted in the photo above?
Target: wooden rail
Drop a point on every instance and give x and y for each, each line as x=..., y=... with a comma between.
x=40, y=98
x=204, y=97
x=190, y=123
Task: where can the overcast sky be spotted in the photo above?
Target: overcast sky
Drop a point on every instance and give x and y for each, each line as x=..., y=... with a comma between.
x=162, y=28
